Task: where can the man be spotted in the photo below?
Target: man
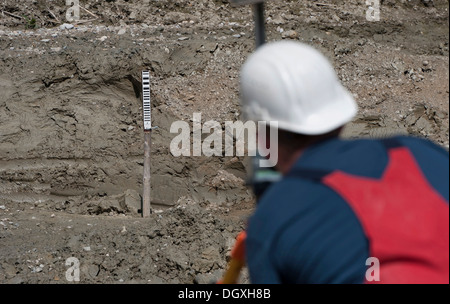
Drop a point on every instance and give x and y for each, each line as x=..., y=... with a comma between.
x=343, y=207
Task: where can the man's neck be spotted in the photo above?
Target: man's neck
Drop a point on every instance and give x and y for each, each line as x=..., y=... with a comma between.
x=288, y=160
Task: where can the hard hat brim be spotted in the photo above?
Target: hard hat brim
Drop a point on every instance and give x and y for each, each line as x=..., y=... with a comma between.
x=327, y=119
x=322, y=121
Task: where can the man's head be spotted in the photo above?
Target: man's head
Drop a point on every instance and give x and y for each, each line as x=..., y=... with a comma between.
x=295, y=85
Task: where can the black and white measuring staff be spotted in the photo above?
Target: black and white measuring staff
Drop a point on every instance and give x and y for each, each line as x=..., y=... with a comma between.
x=146, y=100
x=147, y=116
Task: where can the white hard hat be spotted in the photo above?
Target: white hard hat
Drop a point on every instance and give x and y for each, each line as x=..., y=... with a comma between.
x=295, y=85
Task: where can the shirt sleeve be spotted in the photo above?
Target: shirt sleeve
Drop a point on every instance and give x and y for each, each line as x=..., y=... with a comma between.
x=261, y=267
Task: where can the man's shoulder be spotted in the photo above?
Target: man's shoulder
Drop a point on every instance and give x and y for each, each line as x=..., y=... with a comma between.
x=363, y=157
x=416, y=143
x=412, y=142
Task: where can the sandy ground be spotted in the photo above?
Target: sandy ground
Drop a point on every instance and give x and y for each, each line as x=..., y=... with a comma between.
x=71, y=138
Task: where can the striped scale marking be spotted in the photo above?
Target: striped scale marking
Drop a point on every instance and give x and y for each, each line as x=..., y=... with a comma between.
x=146, y=100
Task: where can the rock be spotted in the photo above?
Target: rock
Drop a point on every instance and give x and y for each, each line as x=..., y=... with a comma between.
x=336, y=18
x=107, y=204
x=66, y=26
x=423, y=124
x=156, y=280
x=211, y=254
x=121, y=31
x=131, y=201
x=16, y=280
x=209, y=258
x=177, y=17
x=208, y=278
x=74, y=242
x=425, y=63
x=179, y=258
x=87, y=248
x=37, y=269
x=229, y=245
x=225, y=181
x=236, y=167
x=103, y=38
x=89, y=270
x=9, y=270
x=289, y=34
x=93, y=271
x=278, y=21
x=2, y=207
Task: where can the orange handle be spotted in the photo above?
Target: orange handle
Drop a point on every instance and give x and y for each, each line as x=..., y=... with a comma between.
x=238, y=251
x=237, y=261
